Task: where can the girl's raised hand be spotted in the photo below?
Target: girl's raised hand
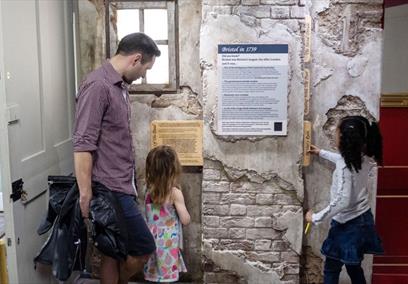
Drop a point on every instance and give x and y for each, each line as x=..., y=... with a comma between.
x=314, y=150
x=308, y=216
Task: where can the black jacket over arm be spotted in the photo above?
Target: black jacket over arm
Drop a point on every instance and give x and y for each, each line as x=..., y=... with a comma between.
x=66, y=246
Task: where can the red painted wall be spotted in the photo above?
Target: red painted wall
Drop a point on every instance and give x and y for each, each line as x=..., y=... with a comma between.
x=392, y=199
x=390, y=3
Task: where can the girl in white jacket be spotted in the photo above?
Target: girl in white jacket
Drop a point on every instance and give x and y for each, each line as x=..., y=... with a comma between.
x=352, y=233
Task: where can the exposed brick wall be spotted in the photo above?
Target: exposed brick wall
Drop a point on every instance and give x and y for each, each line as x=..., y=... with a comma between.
x=239, y=217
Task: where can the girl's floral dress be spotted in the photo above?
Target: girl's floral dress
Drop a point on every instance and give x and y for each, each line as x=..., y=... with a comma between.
x=165, y=264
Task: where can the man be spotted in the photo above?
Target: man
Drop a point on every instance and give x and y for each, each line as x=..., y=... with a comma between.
x=103, y=149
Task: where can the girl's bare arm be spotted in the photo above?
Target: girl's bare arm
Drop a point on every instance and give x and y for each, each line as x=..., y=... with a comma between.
x=181, y=206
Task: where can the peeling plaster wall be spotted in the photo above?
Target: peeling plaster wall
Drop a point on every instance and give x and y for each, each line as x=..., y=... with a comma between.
x=186, y=104
x=346, y=80
x=252, y=186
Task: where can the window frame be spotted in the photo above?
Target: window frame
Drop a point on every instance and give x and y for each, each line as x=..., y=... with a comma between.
x=171, y=42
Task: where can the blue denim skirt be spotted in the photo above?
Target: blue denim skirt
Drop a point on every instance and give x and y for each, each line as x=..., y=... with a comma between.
x=349, y=242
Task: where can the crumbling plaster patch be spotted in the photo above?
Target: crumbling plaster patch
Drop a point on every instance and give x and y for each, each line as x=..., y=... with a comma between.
x=346, y=28
x=290, y=222
x=261, y=181
x=321, y=73
x=357, y=65
x=186, y=100
x=364, y=83
x=229, y=260
x=347, y=105
x=265, y=157
x=319, y=6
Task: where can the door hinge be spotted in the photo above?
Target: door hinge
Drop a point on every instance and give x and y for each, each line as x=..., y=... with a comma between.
x=9, y=242
x=18, y=191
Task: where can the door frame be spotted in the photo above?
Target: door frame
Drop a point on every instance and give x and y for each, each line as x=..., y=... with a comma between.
x=5, y=174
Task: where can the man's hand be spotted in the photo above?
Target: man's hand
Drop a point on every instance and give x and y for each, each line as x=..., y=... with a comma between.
x=308, y=216
x=84, y=202
x=83, y=172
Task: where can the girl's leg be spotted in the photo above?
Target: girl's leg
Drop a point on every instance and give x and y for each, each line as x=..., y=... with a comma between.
x=332, y=269
x=356, y=274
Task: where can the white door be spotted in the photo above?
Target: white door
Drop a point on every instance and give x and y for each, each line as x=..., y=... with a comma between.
x=36, y=103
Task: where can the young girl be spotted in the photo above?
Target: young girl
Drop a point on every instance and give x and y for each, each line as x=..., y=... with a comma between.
x=352, y=232
x=165, y=209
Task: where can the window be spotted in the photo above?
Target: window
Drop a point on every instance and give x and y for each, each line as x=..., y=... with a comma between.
x=155, y=18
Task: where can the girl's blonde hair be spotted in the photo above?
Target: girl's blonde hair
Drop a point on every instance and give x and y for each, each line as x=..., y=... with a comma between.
x=163, y=171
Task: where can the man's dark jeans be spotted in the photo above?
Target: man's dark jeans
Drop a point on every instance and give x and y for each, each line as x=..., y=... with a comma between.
x=332, y=269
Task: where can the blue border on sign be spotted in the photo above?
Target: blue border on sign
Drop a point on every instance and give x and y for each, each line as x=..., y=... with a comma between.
x=252, y=48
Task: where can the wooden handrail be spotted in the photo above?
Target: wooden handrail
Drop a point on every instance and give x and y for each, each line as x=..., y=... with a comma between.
x=393, y=167
x=394, y=100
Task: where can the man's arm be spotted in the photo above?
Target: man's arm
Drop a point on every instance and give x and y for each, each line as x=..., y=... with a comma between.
x=91, y=104
x=83, y=172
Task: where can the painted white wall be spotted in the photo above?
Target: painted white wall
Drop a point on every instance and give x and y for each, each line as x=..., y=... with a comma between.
x=395, y=54
x=1, y=195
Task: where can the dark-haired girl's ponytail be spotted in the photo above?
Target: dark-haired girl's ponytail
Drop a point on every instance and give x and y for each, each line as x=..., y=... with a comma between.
x=374, y=143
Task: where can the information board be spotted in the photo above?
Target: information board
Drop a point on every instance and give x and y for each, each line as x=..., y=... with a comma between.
x=253, y=89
